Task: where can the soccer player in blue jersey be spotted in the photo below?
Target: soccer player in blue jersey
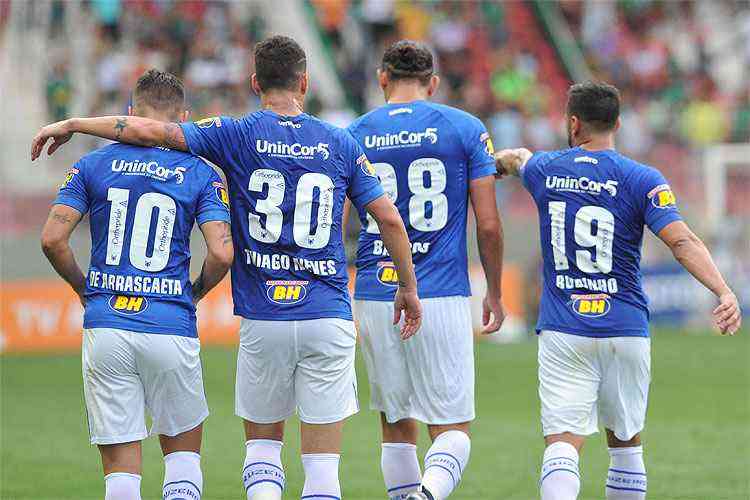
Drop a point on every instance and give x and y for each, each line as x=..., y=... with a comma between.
x=432, y=161
x=289, y=174
x=594, y=346
x=140, y=343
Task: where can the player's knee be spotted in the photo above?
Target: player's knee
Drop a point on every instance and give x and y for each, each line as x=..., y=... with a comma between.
x=402, y=431
x=437, y=430
x=614, y=442
x=121, y=457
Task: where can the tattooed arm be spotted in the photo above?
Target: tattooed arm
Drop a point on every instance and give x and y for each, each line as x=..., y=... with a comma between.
x=55, y=245
x=128, y=129
x=220, y=255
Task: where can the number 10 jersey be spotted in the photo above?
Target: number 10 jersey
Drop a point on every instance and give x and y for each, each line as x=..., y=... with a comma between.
x=593, y=207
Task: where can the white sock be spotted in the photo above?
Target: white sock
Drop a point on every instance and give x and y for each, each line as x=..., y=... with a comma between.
x=400, y=467
x=321, y=476
x=560, y=477
x=262, y=473
x=626, y=478
x=183, y=478
x=445, y=463
x=122, y=486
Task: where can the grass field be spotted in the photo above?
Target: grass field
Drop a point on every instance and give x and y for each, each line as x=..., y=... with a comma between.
x=697, y=437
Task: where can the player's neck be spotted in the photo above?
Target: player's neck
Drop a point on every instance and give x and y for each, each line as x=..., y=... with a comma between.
x=285, y=103
x=404, y=93
x=597, y=142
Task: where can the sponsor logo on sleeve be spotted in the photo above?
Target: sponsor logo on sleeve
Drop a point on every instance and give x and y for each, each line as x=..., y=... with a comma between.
x=209, y=122
x=488, y=146
x=592, y=305
x=662, y=197
x=366, y=166
x=387, y=274
x=221, y=193
x=286, y=292
x=69, y=177
x=128, y=305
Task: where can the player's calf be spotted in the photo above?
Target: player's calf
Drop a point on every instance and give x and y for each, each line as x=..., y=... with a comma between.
x=446, y=460
x=560, y=477
x=626, y=477
x=398, y=459
x=121, y=463
x=263, y=473
x=183, y=478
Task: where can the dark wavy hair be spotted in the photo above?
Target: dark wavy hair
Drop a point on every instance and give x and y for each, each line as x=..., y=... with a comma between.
x=407, y=59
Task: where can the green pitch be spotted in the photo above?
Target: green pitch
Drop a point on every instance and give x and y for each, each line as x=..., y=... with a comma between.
x=697, y=439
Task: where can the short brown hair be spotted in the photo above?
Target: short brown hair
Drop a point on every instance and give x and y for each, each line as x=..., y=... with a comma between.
x=159, y=90
x=407, y=59
x=280, y=62
x=596, y=104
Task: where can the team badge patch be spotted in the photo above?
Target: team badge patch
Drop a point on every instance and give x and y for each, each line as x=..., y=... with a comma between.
x=130, y=306
x=662, y=197
x=69, y=177
x=366, y=166
x=221, y=193
x=286, y=292
x=591, y=306
x=387, y=274
x=488, y=147
x=209, y=122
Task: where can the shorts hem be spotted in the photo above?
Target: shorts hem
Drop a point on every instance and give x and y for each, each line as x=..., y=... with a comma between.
x=127, y=438
x=562, y=430
x=328, y=420
x=446, y=421
x=388, y=418
x=264, y=421
x=180, y=430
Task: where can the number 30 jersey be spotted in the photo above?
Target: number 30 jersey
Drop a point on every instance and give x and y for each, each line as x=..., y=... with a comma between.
x=288, y=177
x=143, y=203
x=426, y=155
x=593, y=207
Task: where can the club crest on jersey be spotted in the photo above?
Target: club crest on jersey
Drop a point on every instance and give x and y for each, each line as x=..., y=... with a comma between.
x=402, y=139
x=366, y=166
x=221, y=193
x=387, y=274
x=69, y=177
x=149, y=169
x=286, y=292
x=297, y=151
x=662, y=197
x=208, y=122
x=591, y=306
x=128, y=305
x=489, y=148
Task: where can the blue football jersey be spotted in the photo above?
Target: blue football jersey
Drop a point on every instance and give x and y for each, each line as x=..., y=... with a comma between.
x=593, y=207
x=288, y=177
x=425, y=155
x=143, y=203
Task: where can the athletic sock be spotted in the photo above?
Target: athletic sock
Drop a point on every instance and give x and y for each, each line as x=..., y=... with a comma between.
x=560, y=477
x=400, y=467
x=445, y=462
x=122, y=486
x=183, y=478
x=321, y=476
x=262, y=473
x=626, y=478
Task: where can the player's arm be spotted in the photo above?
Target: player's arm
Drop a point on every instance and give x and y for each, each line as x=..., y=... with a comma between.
x=690, y=251
x=396, y=241
x=490, y=243
x=345, y=216
x=511, y=161
x=60, y=224
x=128, y=129
x=219, y=258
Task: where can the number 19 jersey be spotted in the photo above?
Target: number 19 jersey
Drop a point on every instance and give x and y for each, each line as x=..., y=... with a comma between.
x=593, y=206
x=143, y=203
x=288, y=177
x=425, y=155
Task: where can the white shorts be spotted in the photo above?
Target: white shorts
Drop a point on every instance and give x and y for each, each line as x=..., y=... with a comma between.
x=303, y=365
x=126, y=373
x=429, y=377
x=583, y=380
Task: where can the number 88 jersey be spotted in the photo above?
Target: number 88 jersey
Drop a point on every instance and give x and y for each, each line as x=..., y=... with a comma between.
x=425, y=155
x=593, y=207
x=143, y=203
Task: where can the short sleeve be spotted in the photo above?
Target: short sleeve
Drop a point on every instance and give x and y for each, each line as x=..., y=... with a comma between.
x=479, y=150
x=73, y=191
x=213, y=201
x=531, y=175
x=657, y=200
x=213, y=138
x=364, y=185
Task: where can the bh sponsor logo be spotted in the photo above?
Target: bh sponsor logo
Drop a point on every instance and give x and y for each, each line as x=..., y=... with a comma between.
x=286, y=292
x=402, y=139
x=662, y=197
x=297, y=151
x=148, y=169
x=387, y=274
x=591, y=306
x=130, y=306
x=581, y=185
